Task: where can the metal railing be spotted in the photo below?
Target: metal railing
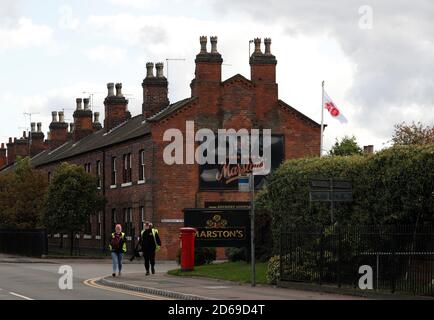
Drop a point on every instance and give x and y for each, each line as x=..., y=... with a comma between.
x=24, y=242
x=401, y=257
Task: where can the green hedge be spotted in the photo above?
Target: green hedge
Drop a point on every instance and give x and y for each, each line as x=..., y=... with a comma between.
x=394, y=186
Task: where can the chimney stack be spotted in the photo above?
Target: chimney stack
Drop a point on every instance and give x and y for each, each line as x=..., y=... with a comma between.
x=368, y=149
x=37, y=145
x=208, y=74
x=3, y=157
x=263, y=66
x=155, y=90
x=11, y=151
x=58, y=130
x=116, y=107
x=82, y=120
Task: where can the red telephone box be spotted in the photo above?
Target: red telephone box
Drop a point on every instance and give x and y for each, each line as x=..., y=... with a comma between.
x=187, y=235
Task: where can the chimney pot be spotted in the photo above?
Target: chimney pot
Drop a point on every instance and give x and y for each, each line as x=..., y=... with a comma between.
x=214, y=45
x=54, y=115
x=96, y=117
x=86, y=103
x=71, y=127
x=149, y=70
x=119, y=90
x=10, y=140
x=79, y=103
x=160, y=66
x=33, y=126
x=24, y=135
x=257, y=42
x=3, y=145
x=61, y=116
x=267, y=42
x=39, y=124
x=203, y=42
x=110, y=88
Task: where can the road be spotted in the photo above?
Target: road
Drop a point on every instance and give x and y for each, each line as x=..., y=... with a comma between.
x=39, y=281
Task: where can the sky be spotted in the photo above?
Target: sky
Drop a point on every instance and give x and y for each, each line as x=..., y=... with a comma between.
x=377, y=59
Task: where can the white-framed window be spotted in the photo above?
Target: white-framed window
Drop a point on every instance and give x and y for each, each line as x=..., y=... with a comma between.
x=127, y=168
x=98, y=173
x=99, y=225
x=142, y=175
x=113, y=175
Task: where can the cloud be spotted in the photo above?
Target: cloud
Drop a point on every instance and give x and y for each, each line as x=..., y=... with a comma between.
x=393, y=78
x=23, y=34
x=136, y=4
x=67, y=19
x=106, y=54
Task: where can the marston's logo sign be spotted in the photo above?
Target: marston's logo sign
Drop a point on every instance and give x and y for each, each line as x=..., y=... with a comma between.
x=219, y=227
x=230, y=173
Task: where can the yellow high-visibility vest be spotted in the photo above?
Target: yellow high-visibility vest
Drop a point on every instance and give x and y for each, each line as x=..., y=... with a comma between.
x=124, y=246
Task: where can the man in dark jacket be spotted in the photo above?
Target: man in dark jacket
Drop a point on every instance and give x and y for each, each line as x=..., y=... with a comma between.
x=150, y=243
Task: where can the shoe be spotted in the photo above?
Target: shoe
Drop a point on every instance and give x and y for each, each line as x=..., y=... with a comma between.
x=147, y=273
x=153, y=270
x=120, y=274
x=113, y=274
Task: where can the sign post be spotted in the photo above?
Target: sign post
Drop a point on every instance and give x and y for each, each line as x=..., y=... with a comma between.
x=252, y=227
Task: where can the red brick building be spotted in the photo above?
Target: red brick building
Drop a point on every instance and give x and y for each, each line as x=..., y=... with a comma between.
x=126, y=153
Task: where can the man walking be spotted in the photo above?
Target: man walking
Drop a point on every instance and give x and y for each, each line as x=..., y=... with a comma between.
x=151, y=243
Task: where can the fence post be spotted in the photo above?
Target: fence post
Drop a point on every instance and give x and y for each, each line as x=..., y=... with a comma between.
x=321, y=255
x=339, y=256
x=281, y=254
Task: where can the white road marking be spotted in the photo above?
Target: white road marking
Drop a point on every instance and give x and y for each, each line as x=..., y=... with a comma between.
x=20, y=296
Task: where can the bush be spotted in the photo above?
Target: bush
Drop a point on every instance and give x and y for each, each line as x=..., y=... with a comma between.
x=236, y=254
x=394, y=186
x=273, y=270
x=201, y=256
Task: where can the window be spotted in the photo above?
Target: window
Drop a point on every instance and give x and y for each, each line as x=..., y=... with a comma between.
x=113, y=180
x=142, y=217
x=142, y=165
x=127, y=168
x=88, y=226
x=114, y=218
x=99, y=225
x=98, y=173
x=128, y=220
x=88, y=167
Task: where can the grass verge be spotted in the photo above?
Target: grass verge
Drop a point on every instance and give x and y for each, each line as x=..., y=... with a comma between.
x=232, y=271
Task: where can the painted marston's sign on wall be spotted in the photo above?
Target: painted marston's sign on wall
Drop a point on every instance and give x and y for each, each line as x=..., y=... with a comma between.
x=219, y=227
x=225, y=176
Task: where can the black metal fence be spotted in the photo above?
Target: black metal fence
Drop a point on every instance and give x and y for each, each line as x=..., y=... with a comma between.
x=401, y=257
x=24, y=242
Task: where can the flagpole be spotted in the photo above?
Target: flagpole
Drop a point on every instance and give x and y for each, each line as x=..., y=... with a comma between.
x=322, y=122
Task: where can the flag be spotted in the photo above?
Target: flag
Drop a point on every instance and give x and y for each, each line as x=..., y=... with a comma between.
x=333, y=109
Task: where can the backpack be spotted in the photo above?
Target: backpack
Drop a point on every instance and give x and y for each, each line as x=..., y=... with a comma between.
x=116, y=242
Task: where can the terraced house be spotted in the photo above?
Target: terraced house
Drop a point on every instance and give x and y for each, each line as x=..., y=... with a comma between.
x=126, y=152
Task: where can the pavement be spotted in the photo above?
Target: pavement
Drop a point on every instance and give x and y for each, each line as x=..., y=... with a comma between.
x=192, y=288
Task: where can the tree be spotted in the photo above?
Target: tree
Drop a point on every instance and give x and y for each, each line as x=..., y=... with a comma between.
x=346, y=147
x=413, y=134
x=71, y=199
x=22, y=194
